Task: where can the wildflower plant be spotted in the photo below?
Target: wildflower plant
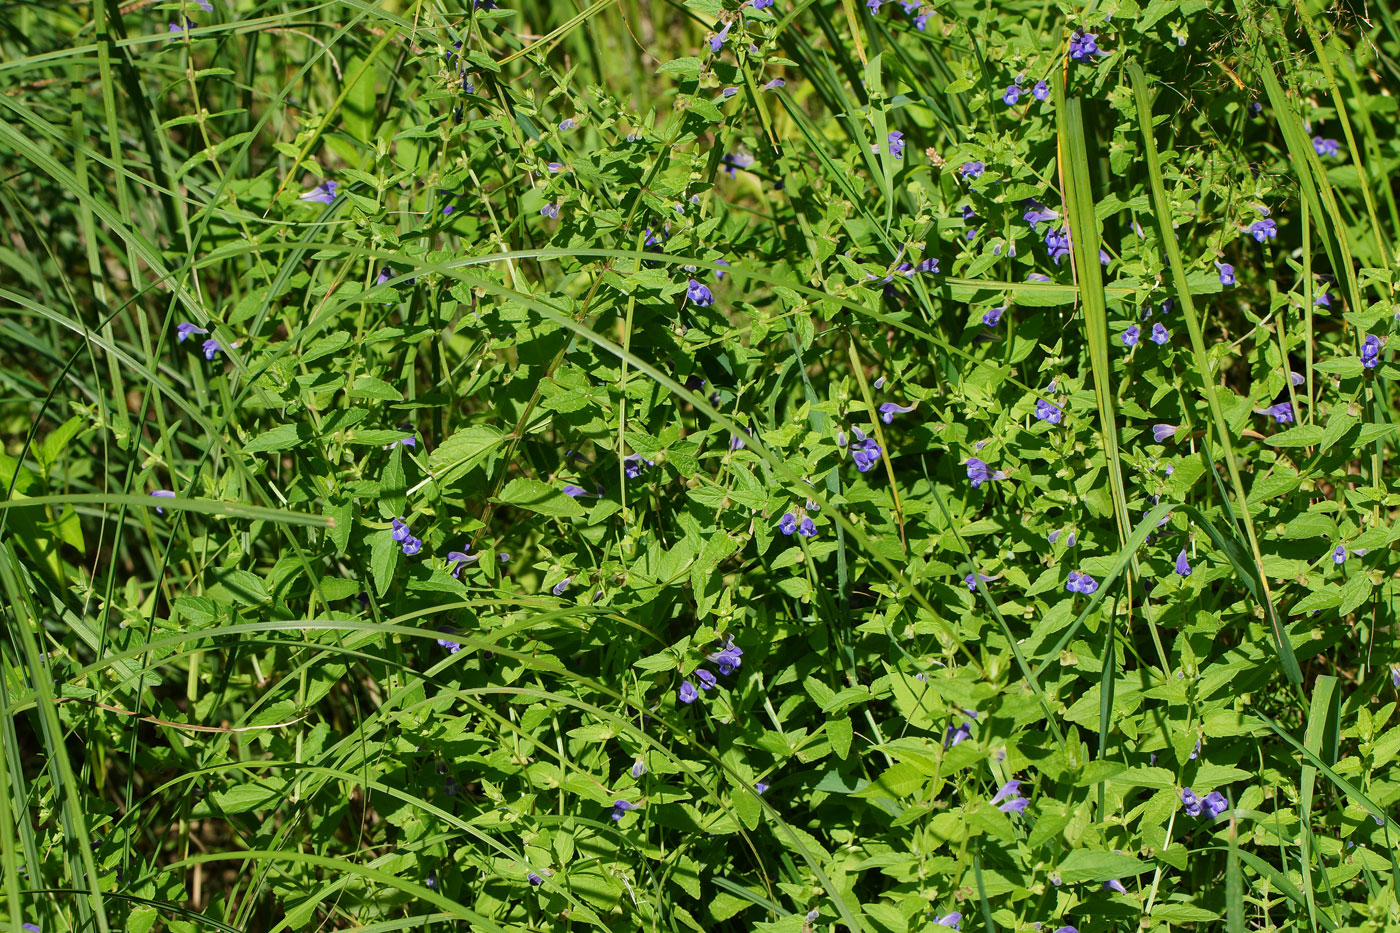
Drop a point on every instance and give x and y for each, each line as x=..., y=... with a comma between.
x=744, y=465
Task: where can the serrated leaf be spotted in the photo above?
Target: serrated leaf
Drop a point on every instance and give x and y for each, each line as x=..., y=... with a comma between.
x=283, y=437
x=1089, y=865
x=462, y=450
x=383, y=560
x=393, y=485
x=1302, y=435
x=367, y=386
x=539, y=497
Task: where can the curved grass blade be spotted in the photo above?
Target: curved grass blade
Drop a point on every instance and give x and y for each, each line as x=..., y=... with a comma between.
x=1287, y=660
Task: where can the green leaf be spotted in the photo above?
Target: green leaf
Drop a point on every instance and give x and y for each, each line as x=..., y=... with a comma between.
x=325, y=346
x=839, y=732
x=360, y=98
x=1302, y=435
x=367, y=386
x=283, y=437
x=461, y=451
x=393, y=485
x=1344, y=367
x=384, y=560
x=538, y=497
x=1089, y=865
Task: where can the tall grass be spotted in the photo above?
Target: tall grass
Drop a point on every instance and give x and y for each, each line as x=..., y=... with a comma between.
x=370, y=560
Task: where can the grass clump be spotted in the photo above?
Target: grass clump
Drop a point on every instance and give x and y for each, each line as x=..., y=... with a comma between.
x=784, y=466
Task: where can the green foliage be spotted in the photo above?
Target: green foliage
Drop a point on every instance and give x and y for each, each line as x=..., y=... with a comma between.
x=679, y=466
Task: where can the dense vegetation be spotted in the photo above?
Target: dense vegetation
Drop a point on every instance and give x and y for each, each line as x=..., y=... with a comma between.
x=779, y=466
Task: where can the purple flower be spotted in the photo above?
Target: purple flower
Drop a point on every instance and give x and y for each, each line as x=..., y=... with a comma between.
x=1036, y=277
x=1190, y=803
x=639, y=768
x=1282, y=412
x=1255, y=108
x=1041, y=90
x=1009, y=789
x=728, y=658
x=1037, y=213
x=1196, y=751
x=551, y=211
x=1326, y=147
x=719, y=273
x=534, y=879
x=953, y=736
x=1057, y=242
x=1131, y=335
x=401, y=532
x=890, y=409
x=707, y=680
x=456, y=560
x=1227, y=273
x=1084, y=45
x=1162, y=432
x=622, y=806
x=729, y=92
x=759, y=787
x=775, y=83
x=176, y=27
x=1012, y=95
x=951, y=920
x=1215, y=804
x=323, y=193
x=993, y=317
x=736, y=442
x=1045, y=411
x=559, y=588
x=411, y=546
x=574, y=492
x=928, y=265
x=162, y=494
x=896, y=140
x=451, y=646
x=211, y=349
x=807, y=528
x=1395, y=674
x=973, y=169
x=761, y=4
x=978, y=472
x=1339, y=555
x=788, y=523
x=184, y=329
x=567, y=124
x=865, y=452
x=1370, y=351
x=1263, y=230
x=1067, y=929
x=717, y=40
x=1079, y=582
x=1115, y=885
x=1323, y=299
x=687, y=695
x=1183, y=569
x=699, y=293
x=1014, y=805
x=632, y=465
x=972, y=581
x=1160, y=335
